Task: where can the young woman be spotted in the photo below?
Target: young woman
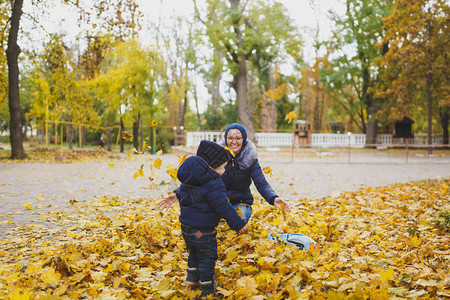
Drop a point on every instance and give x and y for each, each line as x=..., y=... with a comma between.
x=240, y=172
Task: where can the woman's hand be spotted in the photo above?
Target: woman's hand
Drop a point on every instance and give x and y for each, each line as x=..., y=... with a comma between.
x=281, y=204
x=243, y=229
x=165, y=203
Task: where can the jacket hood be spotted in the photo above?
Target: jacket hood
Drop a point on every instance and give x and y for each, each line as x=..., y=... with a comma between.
x=247, y=156
x=195, y=171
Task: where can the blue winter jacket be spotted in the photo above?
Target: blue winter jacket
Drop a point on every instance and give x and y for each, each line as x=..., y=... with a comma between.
x=202, y=196
x=239, y=175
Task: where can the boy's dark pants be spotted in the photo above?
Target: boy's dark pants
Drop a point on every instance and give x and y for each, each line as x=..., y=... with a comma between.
x=202, y=247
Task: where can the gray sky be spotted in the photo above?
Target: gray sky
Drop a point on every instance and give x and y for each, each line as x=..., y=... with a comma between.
x=309, y=15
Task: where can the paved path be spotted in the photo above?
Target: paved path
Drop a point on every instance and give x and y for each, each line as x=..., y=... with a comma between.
x=307, y=174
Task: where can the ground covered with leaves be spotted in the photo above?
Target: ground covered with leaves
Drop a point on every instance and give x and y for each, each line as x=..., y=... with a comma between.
x=55, y=154
x=376, y=243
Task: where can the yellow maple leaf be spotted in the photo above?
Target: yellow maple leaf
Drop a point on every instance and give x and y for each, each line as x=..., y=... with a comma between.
x=127, y=136
x=33, y=269
x=20, y=294
x=444, y=188
x=291, y=115
x=386, y=275
x=314, y=248
x=12, y=277
x=283, y=210
x=141, y=171
x=277, y=221
x=28, y=206
x=129, y=154
x=182, y=159
x=268, y=170
x=172, y=172
x=136, y=175
x=224, y=292
x=157, y=163
x=40, y=198
x=49, y=275
x=414, y=241
x=159, y=152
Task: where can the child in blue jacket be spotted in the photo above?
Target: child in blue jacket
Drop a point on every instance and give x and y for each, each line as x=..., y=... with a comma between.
x=203, y=202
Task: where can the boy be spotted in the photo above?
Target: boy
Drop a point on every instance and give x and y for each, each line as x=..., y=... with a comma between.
x=203, y=202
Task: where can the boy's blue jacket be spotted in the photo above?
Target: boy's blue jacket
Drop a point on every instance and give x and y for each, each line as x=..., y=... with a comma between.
x=202, y=196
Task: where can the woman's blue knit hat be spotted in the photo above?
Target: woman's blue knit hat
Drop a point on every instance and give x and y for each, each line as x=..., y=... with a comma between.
x=238, y=127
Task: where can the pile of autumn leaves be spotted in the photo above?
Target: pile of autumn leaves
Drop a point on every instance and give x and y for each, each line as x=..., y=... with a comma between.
x=377, y=243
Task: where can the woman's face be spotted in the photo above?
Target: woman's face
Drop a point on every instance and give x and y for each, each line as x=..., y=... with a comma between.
x=234, y=140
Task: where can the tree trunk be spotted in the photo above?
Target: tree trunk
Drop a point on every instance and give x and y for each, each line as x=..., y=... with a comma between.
x=108, y=139
x=186, y=89
x=141, y=129
x=240, y=79
x=15, y=111
x=70, y=133
x=241, y=98
x=122, y=142
x=136, y=132
x=444, y=113
x=25, y=129
x=217, y=76
x=430, y=113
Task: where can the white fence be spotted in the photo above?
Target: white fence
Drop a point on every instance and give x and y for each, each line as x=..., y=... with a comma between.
x=265, y=139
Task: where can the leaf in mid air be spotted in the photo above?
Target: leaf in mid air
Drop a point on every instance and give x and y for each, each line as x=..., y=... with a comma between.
x=291, y=115
x=268, y=170
x=157, y=163
x=127, y=136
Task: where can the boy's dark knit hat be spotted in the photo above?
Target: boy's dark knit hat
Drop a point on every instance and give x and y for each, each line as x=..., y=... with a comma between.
x=214, y=154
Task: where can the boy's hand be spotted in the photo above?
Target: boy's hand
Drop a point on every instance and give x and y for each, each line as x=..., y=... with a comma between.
x=165, y=203
x=243, y=229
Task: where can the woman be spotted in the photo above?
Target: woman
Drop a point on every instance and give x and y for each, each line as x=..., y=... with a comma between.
x=239, y=174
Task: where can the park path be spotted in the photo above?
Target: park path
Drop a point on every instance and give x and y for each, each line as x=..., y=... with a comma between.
x=308, y=174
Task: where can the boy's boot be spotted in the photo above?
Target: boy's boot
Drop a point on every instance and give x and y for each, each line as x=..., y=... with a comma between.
x=192, y=277
x=208, y=288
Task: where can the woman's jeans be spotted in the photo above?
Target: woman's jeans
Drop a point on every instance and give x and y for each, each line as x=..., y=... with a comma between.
x=244, y=210
x=201, y=244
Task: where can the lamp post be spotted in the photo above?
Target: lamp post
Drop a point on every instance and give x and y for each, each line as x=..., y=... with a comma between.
x=177, y=133
x=349, y=134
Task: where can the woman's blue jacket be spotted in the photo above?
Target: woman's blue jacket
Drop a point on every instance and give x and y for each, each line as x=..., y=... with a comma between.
x=239, y=174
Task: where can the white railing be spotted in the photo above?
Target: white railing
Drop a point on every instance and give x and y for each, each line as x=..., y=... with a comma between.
x=193, y=138
x=265, y=139
x=419, y=139
x=337, y=140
